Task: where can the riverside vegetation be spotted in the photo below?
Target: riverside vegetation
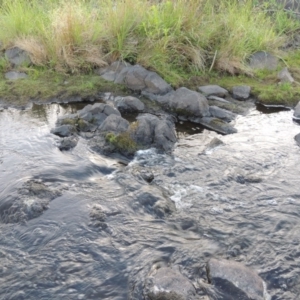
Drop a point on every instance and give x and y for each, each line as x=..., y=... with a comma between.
x=186, y=42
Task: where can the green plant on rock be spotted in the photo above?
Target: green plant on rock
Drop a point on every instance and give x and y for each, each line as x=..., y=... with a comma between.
x=122, y=142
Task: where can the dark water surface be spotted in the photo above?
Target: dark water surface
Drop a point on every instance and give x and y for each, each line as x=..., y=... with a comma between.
x=240, y=201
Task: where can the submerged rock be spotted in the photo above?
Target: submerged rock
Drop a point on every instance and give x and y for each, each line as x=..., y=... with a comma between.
x=167, y=284
x=30, y=202
x=233, y=280
x=154, y=202
x=213, y=90
x=241, y=92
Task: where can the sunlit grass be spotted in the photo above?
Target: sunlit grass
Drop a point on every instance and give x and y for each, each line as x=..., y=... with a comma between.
x=176, y=38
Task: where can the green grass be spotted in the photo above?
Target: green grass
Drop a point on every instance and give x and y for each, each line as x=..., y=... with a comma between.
x=179, y=39
x=42, y=86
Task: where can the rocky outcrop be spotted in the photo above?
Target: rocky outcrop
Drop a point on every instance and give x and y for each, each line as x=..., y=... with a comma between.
x=232, y=280
x=241, y=92
x=17, y=57
x=263, y=60
x=168, y=284
x=136, y=78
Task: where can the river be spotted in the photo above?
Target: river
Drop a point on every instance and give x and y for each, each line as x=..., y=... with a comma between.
x=239, y=200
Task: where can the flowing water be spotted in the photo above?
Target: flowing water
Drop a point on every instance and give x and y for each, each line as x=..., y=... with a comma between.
x=240, y=200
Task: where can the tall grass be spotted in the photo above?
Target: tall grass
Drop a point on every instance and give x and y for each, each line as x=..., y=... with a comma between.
x=176, y=38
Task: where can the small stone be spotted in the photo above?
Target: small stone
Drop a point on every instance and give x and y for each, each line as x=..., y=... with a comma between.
x=68, y=143
x=14, y=75
x=129, y=104
x=263, y=60
x=285, y=76
x=241, y=92
x=64, y=130
x=213, y=90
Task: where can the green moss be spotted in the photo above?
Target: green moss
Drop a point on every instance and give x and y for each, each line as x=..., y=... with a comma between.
x=123, y=142
x=43, y=85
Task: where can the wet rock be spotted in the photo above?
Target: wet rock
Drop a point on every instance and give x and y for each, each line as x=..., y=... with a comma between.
x=153, y=202
x=297, y=111
x=167, y=284
x=129, y=104
x=241, y=92
x=186, y=103
x=217, y=125
x=17, y=57
x=31, y=201
x=233, y=280
x=263, y=60
x=217, y=99
x=213, y=90
x=114, y=123
x=297, y=139
x=215, y=142
x=64, y=130
x=158, y=132
x=285, y=76
x=14, y=75
x=221, y=113
x=98, y=217
x=68, y=143
x=143, y=174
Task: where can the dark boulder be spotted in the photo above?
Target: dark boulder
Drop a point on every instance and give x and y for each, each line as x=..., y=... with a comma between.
x=213, y=90
x=233, y=280
x=154, y=131
x=129, y=104
x=114, y=123
x=68, y=143
x=185, y=103
x=221, y=113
